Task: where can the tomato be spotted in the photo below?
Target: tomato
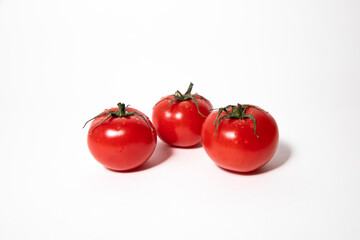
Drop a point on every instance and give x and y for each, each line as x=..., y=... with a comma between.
x=121, y=138
x=240, y=138
x=178, y=118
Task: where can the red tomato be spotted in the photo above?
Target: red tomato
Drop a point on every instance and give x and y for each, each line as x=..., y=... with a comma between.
x=241, y=138
x=121, y=142
x=178, y=118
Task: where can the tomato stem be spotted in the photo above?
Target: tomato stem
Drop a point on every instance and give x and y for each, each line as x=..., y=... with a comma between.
x=237, y=112
x=185, y=97
x=188, y=91
x=121, y=112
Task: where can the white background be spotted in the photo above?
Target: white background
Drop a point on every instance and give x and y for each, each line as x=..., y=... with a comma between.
x=62, y=62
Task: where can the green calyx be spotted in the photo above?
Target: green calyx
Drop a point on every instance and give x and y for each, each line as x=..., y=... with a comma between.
x=185, y=97
x=237, y=112
x=121, y=112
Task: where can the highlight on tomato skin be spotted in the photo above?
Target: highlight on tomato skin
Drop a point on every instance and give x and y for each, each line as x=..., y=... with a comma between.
x=240, y=138
x=178, y=118
x=121, y=138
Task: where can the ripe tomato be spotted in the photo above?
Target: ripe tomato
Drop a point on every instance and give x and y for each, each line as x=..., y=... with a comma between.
x=178, y=118
x=121, y=138
x=240, y=138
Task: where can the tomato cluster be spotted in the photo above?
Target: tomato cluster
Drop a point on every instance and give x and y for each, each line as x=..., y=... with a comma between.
x=239, y=138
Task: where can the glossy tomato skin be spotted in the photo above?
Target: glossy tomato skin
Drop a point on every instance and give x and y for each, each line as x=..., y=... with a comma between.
x=122, y=143
x=235, y=146
x=180, y=124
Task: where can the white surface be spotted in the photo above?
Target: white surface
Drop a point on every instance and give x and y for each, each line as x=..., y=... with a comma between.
x=62, y=62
